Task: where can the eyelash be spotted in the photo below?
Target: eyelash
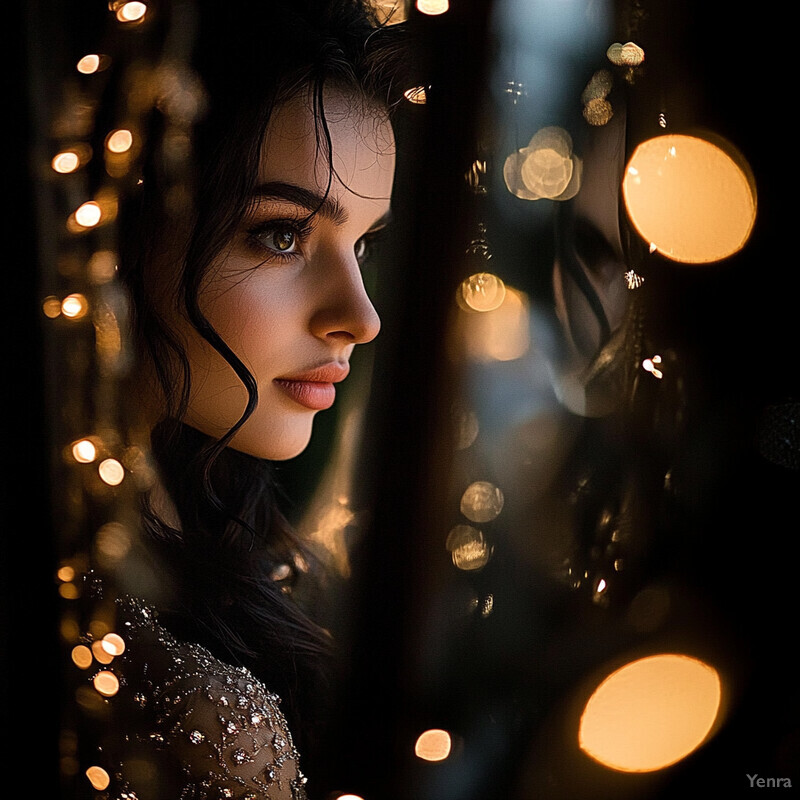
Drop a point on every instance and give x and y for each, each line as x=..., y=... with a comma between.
x=301, y=231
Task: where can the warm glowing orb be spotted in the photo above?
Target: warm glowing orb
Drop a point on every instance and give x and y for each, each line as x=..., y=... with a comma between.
x=482, y=292
x=82, y=656
x=693, y=200
x=84, y=451
x=74, y=306
x=106, y=683
x=88, y=215
x=433, y=745
x=113, y=644
x=131, y=12
x=89, y=64
x=651, y=713
x=98, y=777
x=482, y=501
x=468, y=547
x=119, y=141
x=65, y=162
x=433, y=7
x=111, y=471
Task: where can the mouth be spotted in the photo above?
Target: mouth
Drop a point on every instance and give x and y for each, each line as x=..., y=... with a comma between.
x=314, y=388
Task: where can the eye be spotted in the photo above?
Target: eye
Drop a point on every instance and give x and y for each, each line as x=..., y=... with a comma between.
x=279, y=240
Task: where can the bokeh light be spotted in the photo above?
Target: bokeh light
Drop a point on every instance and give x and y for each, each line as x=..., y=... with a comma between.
x=82, y=656
x=502, y=334
x=433, y=745
x=88, y=215
x=51, y=306
x=482, y=292
x=106, y=682
x=468, y=547
x=66, y=162
x=111, y=471
x=113, y=644
x=99, y=778
x=74, y=306
x=625, y=55
x=119, y=141
x=131, y=12
x=482, y=501
x=100, y=653
x=84, y=451
x=651, y=713
x=692, y=199
x=546, y=169
x=88, y=64
x=433, y=7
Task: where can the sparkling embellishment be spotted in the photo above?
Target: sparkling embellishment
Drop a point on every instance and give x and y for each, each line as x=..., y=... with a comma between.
x=256, y=719
x=241, y=757
x=140, y=699
x=278, y=741
x=231, y=727
x=196, y=737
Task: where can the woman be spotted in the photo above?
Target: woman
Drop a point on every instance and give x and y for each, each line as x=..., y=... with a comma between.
x=243, y=265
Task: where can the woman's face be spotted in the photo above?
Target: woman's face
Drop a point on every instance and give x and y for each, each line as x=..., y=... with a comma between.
x=287, y=293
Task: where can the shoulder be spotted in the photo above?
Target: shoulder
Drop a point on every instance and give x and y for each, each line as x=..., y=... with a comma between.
x=217, y=723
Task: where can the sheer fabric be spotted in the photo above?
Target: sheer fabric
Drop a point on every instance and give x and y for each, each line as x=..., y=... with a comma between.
x=193, y=727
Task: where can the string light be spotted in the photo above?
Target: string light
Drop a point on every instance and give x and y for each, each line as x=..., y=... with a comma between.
x=119, y=141
x=74, y=306
x=84, y=451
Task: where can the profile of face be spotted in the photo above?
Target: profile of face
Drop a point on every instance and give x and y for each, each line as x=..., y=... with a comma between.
x=287, y=293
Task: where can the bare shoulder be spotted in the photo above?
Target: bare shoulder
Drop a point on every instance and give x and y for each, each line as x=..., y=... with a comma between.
x=221, y=728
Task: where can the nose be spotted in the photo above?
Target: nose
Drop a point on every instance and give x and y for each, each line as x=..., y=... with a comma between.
x=344, y=310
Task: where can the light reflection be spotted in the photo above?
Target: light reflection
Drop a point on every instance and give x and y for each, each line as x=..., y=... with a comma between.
x=482, y=501
x=98, y=777
x=692, y=199
x=433, y=745
x=66, y=573
x=651, y=713
x=106, y=683
x=468, y=548
x=417, y=95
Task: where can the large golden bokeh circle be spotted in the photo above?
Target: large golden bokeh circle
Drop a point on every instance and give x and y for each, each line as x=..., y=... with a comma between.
x=651, y=713
x=692, y=199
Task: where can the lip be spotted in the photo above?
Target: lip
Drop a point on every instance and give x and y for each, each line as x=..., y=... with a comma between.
x=314, y=388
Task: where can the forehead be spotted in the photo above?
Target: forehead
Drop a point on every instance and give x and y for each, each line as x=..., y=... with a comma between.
x=361, y=144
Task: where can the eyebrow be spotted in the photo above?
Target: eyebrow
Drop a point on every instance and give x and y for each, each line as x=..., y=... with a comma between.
x=314, y=201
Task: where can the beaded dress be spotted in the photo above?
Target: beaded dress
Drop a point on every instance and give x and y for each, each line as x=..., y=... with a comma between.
x=193, y=727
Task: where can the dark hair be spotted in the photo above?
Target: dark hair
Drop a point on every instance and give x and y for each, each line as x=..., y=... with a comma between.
x=232, y=534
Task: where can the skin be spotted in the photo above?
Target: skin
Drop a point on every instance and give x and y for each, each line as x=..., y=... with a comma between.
x=287, y=295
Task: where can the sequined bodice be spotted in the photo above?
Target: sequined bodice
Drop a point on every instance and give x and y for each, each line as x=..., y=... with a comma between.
x=213, y=729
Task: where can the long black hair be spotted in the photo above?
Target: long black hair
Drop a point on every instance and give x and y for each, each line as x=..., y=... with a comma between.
x=203, y=148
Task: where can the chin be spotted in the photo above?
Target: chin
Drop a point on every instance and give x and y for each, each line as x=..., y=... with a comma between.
x=272, y=445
